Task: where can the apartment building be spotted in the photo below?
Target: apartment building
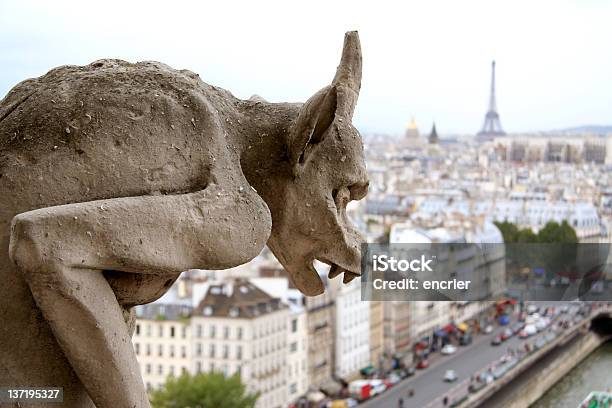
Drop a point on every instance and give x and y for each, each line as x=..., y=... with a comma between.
x=162, y=342
x=320, y=326
x=238, y=328
x=352, y=334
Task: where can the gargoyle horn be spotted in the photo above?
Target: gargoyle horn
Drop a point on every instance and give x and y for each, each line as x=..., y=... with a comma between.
x=348, y=74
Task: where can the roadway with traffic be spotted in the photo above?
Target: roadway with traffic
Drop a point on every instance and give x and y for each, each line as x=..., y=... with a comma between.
x=428, y=385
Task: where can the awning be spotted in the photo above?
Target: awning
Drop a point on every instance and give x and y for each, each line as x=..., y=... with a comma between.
x=367, y=370
x=463, y=327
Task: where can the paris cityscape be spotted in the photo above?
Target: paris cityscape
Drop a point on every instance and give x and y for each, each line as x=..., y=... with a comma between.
x=484, y=125
x=324, y=351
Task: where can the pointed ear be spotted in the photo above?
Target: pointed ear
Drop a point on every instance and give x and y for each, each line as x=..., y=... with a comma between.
x=310, y=128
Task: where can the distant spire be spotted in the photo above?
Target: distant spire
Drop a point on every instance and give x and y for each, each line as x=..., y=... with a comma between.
x=492, y=125
x=433, y=136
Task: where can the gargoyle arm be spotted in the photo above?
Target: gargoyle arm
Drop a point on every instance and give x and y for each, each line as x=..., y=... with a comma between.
x=63, y=250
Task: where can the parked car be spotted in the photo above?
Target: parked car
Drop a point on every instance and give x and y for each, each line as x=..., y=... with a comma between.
x=448, y=349
x=394, y=378
x=450, y=376
x=361, y=390
x=496, y=340
x=424, y=363
x=378, y=386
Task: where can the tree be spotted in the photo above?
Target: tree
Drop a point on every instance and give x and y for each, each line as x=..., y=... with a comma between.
x=552, y=233
x=204, y=390
x=555, y=233
x=508, y=230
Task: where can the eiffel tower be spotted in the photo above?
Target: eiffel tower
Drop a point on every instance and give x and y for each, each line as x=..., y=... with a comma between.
x=492, y=126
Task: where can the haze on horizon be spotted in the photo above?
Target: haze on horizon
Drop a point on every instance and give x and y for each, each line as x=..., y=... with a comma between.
x=429, y=60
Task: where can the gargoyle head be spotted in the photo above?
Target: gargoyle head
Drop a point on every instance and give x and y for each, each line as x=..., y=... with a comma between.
x=326, y=155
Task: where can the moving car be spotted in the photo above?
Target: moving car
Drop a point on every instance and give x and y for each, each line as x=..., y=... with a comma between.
x=506, y=334
x=517, y=327
x=448, y=349
x=496, y=340
x=488, y=329
x=450, y=376
x=531, y=309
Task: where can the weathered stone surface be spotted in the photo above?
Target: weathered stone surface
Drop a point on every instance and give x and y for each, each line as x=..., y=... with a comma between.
x=115, y=177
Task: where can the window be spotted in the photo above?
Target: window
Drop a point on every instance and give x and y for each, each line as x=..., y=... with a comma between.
x=183, y=351
x=148, y=368
x=148, y=349
x=212, y=351
x=137, y=329
x=198, y=367
x=171, y=370
x=161, y=331
x=198, y=349
x=160, y=369
x=171, y=331
x=293, y=347
x=184, y=332
x=226, y=331
x=239, y=352
x=148, y=330
x=171, y=351
x=225, y=351
x=137, y=348
x=212, y=331
x=199, y=330
x=240, y=333
x=293, y=325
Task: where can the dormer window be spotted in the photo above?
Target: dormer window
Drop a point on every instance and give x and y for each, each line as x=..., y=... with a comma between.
x=208, y=310
x=233, y=312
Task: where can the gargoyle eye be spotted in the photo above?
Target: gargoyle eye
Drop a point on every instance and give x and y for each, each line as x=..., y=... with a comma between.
x=359, y=190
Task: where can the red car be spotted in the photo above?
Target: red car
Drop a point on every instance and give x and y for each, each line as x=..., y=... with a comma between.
x=423, y=364
x=506, y=334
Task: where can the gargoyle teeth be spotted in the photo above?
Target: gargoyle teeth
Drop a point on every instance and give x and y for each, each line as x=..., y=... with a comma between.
x=334, y=271
x=349, y=276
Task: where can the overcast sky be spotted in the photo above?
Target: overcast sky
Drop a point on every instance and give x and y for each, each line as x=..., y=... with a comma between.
x=430, y=59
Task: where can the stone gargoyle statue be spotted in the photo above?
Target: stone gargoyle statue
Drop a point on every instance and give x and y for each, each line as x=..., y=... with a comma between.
x=115, y=177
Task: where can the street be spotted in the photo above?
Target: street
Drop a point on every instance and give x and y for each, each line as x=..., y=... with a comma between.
x=428, y=385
